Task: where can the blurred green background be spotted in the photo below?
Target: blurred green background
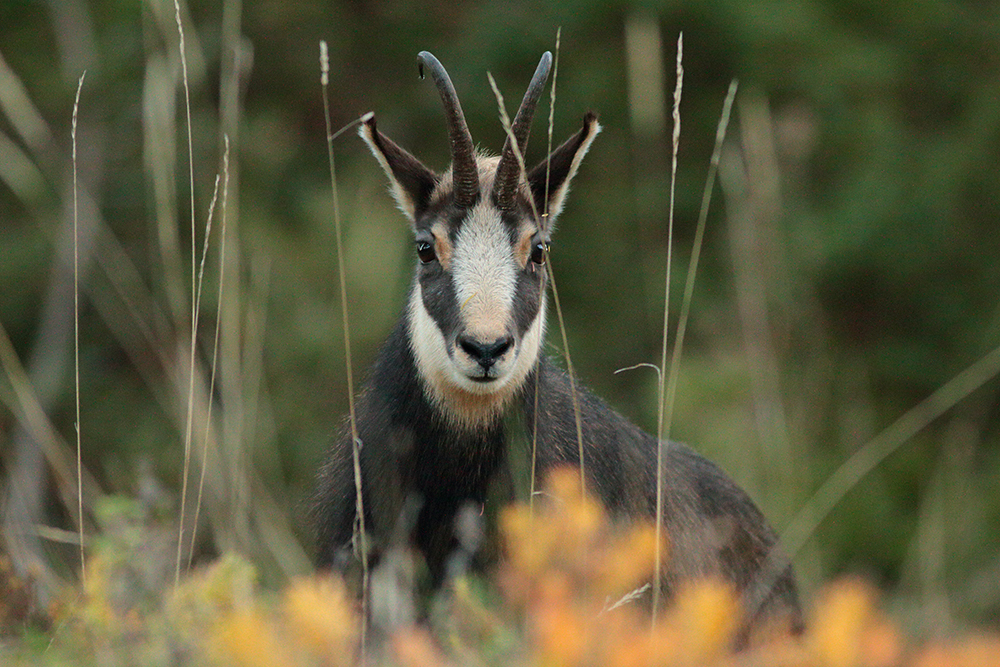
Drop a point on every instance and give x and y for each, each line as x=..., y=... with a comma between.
x=849, y=268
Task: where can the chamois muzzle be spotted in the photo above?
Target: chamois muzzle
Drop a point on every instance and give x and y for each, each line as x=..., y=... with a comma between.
x=485, y=354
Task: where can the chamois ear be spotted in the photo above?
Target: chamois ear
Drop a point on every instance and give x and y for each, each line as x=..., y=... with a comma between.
x=412, y=183
x=560, y=168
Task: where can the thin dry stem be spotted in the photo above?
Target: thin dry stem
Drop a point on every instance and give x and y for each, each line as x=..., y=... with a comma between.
x=76, y=331
x=545, y=219
x=208, y=234
x=641, y=364
x=355, y=440
x=666, y=325
x=218, y=327
x=197, y=308
x=194, y=310
x=699, y=237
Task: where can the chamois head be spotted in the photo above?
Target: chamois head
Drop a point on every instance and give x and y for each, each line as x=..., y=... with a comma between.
x=476, y=313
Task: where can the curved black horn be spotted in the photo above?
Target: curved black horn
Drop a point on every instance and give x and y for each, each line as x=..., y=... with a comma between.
x=508, y=172
x=465, y=173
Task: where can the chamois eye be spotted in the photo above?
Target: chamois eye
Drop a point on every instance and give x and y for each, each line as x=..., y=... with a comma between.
x=425, y=251
x=538, y=252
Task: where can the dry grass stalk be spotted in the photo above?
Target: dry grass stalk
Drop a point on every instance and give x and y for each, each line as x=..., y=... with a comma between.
x=189, y=428
x=341, y=272
x=218, y=327
x=76, y=332
x=662, y=427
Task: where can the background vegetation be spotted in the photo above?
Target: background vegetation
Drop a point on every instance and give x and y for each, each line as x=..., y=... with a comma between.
x=849, y=269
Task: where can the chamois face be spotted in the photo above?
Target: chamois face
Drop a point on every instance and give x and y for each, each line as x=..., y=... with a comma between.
x=476, y=313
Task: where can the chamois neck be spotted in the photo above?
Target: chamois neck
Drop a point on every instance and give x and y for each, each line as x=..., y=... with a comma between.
x=422, y=434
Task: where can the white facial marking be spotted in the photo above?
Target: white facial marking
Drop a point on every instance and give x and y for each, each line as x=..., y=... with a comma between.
x=427, y=342
x=484, y=272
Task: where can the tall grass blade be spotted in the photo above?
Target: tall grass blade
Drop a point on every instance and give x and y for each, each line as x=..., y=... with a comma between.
x=188, y=430
x=76, y=330
x=545, y=220
x=208, y=235
x=679, y=87
x=218, y=327
x=324, y=59
x=673, y=372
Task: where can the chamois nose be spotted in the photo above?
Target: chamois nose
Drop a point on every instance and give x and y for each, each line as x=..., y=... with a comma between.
x=485, y=354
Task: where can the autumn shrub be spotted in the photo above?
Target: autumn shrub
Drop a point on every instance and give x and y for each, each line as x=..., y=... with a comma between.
x=572, y=590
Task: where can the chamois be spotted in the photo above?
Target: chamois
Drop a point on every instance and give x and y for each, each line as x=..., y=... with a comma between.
x=467, y=349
